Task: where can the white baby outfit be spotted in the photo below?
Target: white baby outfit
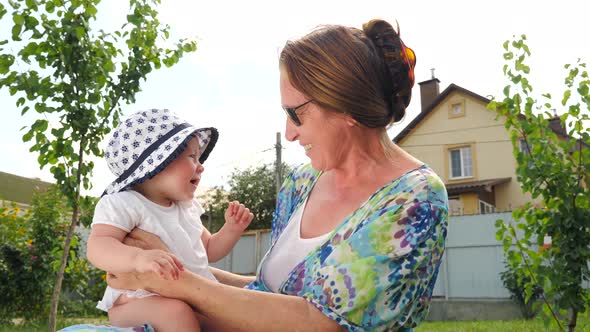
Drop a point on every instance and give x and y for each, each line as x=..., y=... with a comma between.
x=178, y=226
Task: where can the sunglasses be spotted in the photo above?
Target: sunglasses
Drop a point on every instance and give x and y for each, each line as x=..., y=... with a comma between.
x=293, y=115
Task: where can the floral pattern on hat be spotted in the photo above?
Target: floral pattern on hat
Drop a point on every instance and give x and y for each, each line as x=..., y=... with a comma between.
x=147, y=141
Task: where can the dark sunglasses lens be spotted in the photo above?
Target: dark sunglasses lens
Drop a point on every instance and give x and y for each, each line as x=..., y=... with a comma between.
x=293, y=116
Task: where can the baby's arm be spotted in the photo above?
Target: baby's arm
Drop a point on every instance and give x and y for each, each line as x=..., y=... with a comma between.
x=106, y=251
x=218, y=245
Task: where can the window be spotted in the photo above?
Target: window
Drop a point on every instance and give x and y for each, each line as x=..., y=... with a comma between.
x=457, y=109
x=525, y=149
x=461, y=163
x=485, y=208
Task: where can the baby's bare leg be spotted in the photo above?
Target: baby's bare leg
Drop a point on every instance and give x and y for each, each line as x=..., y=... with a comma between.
x=163, y=314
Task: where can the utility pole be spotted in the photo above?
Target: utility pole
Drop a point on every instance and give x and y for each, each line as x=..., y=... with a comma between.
x=279, y=164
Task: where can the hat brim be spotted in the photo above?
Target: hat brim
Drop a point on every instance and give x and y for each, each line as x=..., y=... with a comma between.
x=161, y=157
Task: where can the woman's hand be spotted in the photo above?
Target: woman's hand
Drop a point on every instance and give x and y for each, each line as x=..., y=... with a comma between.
x=144, y=240
x=131, y=280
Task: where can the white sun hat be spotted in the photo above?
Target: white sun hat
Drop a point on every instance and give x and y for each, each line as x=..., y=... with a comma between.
x=148, y=141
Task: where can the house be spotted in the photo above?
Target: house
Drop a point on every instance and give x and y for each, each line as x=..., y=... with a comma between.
x=18, y=189
x=467, y=146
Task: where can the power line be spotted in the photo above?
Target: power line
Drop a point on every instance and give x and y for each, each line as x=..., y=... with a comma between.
x=244, y=157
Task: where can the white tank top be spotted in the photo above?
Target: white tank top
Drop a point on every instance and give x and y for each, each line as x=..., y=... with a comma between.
x=289, y=250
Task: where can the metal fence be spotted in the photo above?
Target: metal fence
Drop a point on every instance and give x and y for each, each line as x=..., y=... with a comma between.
x=247, y=253
x=473, y=259
x=470, y=268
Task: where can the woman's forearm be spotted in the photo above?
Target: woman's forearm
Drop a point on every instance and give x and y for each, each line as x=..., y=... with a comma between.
x=237, y=309
x=231, y=279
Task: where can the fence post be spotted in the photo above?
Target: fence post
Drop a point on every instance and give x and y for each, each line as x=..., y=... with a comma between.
x=228, y=261
x=258, y=249
x=446, y=275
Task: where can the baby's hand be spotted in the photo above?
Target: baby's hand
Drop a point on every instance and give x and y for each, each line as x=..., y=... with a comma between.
x=237, y=216
x=165, y=264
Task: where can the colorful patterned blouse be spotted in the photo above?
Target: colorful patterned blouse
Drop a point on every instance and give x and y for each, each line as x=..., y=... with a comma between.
x=377, y=270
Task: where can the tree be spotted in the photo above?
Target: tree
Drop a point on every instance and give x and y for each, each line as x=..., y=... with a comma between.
x=78, y=79
x=554, y=170
x=254, y=187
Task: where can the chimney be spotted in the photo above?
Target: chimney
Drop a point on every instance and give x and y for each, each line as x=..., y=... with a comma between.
x=428, y=91
x=557, y=126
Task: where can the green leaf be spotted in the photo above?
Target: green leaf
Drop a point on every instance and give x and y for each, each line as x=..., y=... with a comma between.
x=566, y=96
x=6, y=60
x=94, y=98
x=134, y=19
x=28, y=136
x=91, y=10
x=16, y=30
x=49, y=6
x=40, y=125
x=18, y=19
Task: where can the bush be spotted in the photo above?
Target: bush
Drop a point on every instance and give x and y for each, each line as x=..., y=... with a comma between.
x=515, y=282
x=30, y=253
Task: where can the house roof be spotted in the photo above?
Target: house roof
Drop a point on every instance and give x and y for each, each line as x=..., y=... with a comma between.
x=554, y=123
x=463, y=187
x=452, y=87
x=19, y=189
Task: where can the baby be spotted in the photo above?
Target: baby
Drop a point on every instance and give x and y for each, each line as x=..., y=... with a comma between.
x=157, y=159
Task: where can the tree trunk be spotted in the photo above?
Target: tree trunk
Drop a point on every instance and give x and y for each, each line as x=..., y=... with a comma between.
x=60, y=274
x=66, y=253
x=573, y=321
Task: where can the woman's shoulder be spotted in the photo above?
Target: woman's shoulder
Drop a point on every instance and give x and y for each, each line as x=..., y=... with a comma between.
x=419, y=184
x=302, y=175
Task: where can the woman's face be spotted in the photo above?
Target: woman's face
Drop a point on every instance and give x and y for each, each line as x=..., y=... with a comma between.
x=320, y=134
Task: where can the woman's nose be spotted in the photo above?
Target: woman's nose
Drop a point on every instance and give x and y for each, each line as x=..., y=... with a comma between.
x=290, y=130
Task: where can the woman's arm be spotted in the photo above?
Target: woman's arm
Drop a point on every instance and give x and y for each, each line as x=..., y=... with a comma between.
x=231, y=279
x=234, y=309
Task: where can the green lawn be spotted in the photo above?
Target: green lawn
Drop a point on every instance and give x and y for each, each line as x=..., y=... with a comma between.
x=42, y=325
x=535, y=325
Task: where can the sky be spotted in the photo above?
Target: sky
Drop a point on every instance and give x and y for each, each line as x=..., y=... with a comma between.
x=232, y=81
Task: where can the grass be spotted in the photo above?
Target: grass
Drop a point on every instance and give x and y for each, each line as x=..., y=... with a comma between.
x=34, y=326
x=535, y=325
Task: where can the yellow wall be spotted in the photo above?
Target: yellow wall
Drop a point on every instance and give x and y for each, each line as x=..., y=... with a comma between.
x=491, y=146
x=470, y=203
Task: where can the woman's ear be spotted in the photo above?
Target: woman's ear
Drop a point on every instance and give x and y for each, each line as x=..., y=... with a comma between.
x=350, y=121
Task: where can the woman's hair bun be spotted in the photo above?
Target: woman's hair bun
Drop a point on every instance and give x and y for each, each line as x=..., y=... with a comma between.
x=399, y=61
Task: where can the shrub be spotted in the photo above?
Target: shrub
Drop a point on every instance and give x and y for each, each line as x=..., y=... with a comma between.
x=516, y=282
x=30, y=253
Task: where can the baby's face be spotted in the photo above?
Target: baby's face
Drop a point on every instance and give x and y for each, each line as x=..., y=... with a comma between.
x=179, y=180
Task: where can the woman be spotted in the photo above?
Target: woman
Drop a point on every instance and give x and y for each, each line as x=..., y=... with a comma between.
x=358, y=234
